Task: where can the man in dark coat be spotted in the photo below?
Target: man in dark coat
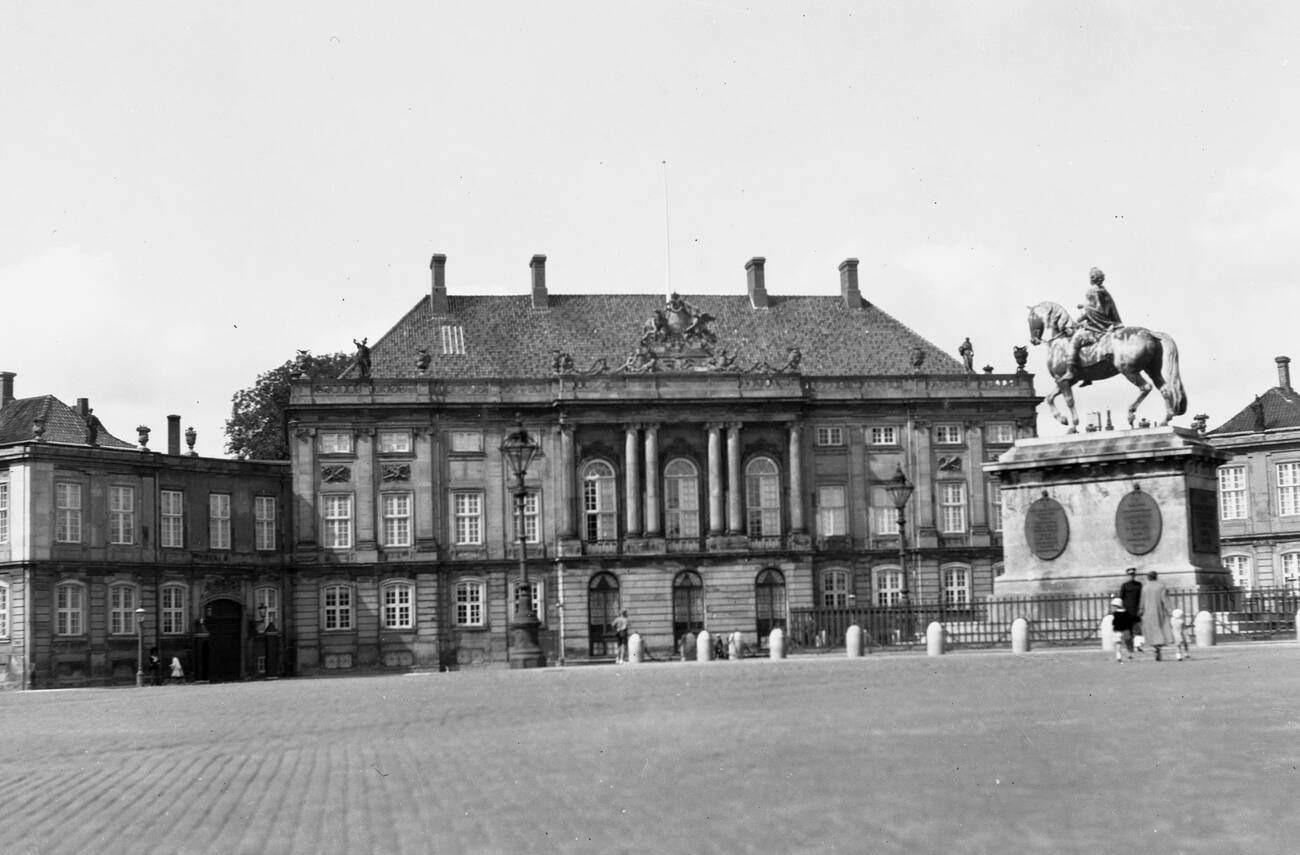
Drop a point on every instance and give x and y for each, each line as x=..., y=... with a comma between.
x=1131, y=593
x=1155, y=614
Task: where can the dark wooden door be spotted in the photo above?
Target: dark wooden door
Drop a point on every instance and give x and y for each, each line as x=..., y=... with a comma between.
x=224, y=621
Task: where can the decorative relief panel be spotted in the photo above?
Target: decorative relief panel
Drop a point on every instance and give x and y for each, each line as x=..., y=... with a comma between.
x=336, y=474
x=397, y=472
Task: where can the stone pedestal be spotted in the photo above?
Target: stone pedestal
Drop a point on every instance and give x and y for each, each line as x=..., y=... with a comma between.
x=1078, y=510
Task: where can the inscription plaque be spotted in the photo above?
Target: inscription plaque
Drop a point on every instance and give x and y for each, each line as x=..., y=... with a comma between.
x=1138, y=522
x=1047, y=529
x=1204, y=507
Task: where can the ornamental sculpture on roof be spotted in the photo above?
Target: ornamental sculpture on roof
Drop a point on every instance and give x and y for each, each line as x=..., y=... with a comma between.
x=679, y=326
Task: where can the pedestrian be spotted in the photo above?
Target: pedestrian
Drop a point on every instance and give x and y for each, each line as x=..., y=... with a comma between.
x=155, y=667
x=1155, y=614
x=621, y=625
x=1182, y=634
x=1122, y=622
x=1131, y=593
x=178, y=673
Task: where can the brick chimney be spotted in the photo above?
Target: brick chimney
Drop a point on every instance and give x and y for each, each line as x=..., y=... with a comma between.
x=1284, y=372
x=538, y=266
x=438, y=294
x=757, y=282
x=849, y=284
x=83, y=408
x=6, y=387
x=174, y=435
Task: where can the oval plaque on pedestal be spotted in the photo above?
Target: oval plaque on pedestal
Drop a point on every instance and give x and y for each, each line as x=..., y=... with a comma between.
x=1138, y=522
x=1047, y=528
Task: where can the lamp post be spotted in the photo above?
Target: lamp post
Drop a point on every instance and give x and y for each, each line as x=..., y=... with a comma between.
x=519, y=448
x=139, y=648
x=900, y=490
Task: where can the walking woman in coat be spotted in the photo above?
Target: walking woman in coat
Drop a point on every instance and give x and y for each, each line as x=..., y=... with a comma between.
x=1155, y=614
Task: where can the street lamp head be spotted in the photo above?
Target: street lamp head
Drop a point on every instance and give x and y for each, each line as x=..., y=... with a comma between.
x=899, y=488
x=139, y=611
x=519, y=448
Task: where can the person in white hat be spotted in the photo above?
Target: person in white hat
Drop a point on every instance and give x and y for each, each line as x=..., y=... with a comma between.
x=1122, y=622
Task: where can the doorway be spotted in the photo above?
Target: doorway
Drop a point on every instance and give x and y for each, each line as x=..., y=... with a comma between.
x=224, y=622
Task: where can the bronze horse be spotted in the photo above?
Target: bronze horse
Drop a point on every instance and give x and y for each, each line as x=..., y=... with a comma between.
x=1131, y=351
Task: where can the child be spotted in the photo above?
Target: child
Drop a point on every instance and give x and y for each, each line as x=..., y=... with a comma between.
x=1182, y=634
x=1122, y=622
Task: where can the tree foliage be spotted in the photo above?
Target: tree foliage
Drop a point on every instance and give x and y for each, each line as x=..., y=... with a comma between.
x=256, y=427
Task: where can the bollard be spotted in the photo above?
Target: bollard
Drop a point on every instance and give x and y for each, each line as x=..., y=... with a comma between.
x=934, y=634
x=853, y=642
x=634, y=649
x=1107, y=633
x=1203, y=625
x=776, y=644
x=704, y=646
x=733, y=645
x=1297, y=624
x=1020, y=635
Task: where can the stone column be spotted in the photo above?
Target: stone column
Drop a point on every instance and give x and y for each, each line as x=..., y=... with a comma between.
x=632, y=481
x=652, y=481
x=715, y=478
x=735, y=515
x=564, y=479
x=796, y=479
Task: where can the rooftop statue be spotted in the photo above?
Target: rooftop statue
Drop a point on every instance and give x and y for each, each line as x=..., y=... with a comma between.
x=1098, y=346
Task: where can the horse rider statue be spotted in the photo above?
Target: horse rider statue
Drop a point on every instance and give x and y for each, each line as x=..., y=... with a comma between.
x=1099, y=316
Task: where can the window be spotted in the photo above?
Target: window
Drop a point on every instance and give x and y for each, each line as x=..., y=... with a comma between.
x=1291, y=570
x=394, y=442
x=399, y=605
x=171, y=519
x=830, y=436
x=769, y=603
x=532, y=518
x=763, y=498
x=466, y=442
x=1288, y=489
x=1232, y=493
x=688, y=604
x=947, y=434
x=831, y=511
x=396, y=509
x=599, y=507
x=468, y=510
x=264, y=521
x=173, y=609
x=952, y=507
x=469, y=602
x=338, y=607
x=1239, y=567
x=121, y=515
x=218, y=520
x=121, y=610
x=453, y=340
x=681, y=500
x=338, y=522
x=1002, y=433
x=531, y=596
x=995, y=506
x=885, y=521
x=956, y=586
x=889, y=586
x=884, y=435
x=267, y=602
x=603, y=605
x=67, y=514
x=4, y=511
x=835, y=588
x=335, y=442
x=69, y=605
x=4, y=610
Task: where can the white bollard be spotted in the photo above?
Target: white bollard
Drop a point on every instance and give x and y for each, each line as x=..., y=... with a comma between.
x=734, y=645
x=776, y=644
x=934, y=638
x=1107, y=633
x=853, y=642
x=1297, y=624
x=634, y=649
x=1020, y=635
x=1203, y=625
x=704, y=646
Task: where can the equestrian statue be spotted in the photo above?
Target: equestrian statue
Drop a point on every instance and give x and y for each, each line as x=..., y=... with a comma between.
x=1098, y=346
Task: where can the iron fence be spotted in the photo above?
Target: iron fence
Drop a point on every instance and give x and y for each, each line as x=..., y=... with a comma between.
x=1239, y=614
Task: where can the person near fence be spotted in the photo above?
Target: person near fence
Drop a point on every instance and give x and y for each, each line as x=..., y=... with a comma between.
x=1131, y=593
x=1183, y=631
x=1155, y=614
x=621, y=626
x=1122, y=622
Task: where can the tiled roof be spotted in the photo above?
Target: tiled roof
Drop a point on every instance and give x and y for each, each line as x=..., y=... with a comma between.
x=504, y=336
x=1277, y=408
x=62, y=423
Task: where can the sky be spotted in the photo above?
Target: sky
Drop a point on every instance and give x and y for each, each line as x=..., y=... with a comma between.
x=190, y=192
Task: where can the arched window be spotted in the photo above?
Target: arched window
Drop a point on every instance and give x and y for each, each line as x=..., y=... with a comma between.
x=469, y=602
x=399, y=605
x=763, y=498
x=769, y=603
x=681, y=500
x=599, y=502
x=1239, y=566
x=835, y=588
x=889, y=586
x=688, y=604
x=69, y=608
x=122, y=598
x=603, y=605
x=534, y=594
x=336, y=608
x=172, y=609
x=956, y=585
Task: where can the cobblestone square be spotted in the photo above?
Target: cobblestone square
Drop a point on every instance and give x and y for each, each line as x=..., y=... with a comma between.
x=1058, y=750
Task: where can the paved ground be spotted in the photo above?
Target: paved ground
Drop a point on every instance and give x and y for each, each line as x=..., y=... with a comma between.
x=1054, y=751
